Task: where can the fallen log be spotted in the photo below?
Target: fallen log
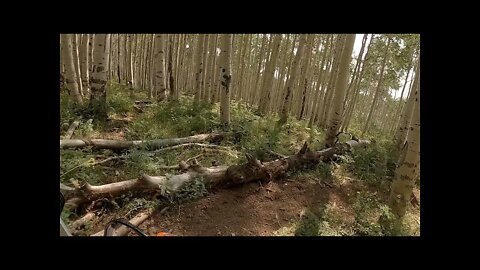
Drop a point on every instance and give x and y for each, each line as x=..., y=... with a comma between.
x=123, y=230
x=217, y=176
x=150, y=144
x=71, y=129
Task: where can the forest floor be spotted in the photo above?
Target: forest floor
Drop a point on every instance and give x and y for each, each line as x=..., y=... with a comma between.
x=341, y=198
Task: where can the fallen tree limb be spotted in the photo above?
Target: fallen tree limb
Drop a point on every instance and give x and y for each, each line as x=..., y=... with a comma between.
x=71, y=129
x=187, y=145
x=150, y=144
x=81, y=222
x=123, y=230
x=219, y=176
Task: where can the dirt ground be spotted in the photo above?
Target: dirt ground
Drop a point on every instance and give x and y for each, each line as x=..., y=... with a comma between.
x=252, y=209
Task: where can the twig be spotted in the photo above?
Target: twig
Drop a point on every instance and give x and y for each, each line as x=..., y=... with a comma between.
x=164, y=210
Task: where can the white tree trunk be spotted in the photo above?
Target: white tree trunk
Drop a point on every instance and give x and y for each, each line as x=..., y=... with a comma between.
x=408, y=110
x=377, y=91
x=225, y=77
x=98, y=78
x=266, y=89
x=160, y=89
x=84, y=64
x=291, y=80
x=76, y=62
x=70, y=74
x=340, y=90
x=198, y=68
x=408, y=168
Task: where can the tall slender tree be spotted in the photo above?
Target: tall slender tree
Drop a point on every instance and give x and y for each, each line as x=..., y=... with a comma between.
x=377, y=91
x=340, y=90
x=408, y=167
x=71, y=78
x=291, y=80
x=266, y=89
x=225, y=77
x=98, y=78
x=407, y=113
x=159, y=56
x=198, y=68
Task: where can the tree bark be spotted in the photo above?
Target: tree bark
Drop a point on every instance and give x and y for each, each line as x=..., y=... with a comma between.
x=303, y=83
x=408, y=111
x=404, y=179
x=325, y=108
x=84, y=64
x=98, y=78
x=160, y=88
x=226, y=77
x=198, y=68
x=173, y=91
x=71, y=78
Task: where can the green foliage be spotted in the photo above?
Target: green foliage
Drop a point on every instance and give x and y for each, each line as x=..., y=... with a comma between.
x=85, y=128
x=393, y=226
x=118, y=99
x=365, y=207
x=309, y=224
x=174, y=119
x=136, y=205
x=374, y=163
x=191, y=191
x=77, y=164
x=324, y=170
x=390, y=224
x=67, y=216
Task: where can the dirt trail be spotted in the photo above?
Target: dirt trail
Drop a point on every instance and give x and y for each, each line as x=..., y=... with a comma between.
x=250, y=209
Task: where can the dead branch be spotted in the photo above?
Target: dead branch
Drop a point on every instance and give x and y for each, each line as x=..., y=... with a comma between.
x=188, y=145
x=71, y=129
x=150, y=144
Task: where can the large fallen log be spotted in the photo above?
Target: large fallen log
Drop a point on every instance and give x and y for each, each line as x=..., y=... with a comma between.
x=150, y=144
x=216, y=176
